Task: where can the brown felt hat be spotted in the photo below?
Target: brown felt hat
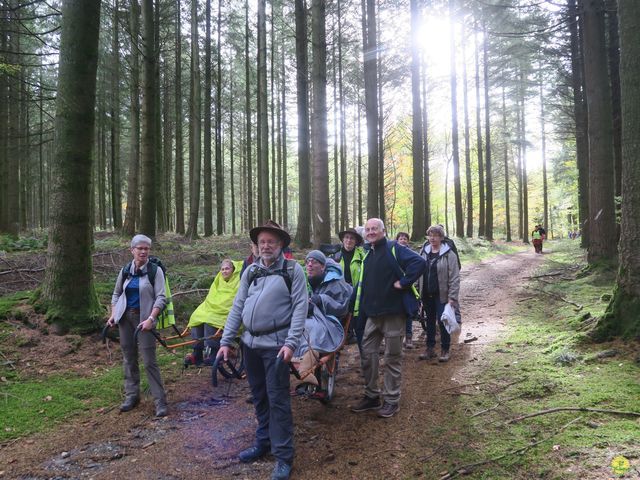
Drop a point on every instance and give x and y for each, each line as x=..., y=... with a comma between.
x=273, y=227
x=353, y=232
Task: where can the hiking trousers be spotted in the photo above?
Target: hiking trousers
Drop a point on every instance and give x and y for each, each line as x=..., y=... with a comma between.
x=269, y=382
x=147, y=347
x=391, y=328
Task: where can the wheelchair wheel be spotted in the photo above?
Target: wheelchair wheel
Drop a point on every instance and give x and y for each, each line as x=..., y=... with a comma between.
x=328, y=380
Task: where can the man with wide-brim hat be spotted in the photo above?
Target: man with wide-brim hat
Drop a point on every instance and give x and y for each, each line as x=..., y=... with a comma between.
x=271, y=226
x=271, y=306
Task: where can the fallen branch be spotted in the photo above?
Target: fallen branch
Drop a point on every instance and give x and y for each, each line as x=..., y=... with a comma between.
x=187, y=292
x=551, y=274
x=20, y=270
x=466, y=469
x=560, y=297
x=573, y=409
x=462, y=385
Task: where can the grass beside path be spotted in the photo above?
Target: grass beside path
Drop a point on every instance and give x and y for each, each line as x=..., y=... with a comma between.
x=546, y=362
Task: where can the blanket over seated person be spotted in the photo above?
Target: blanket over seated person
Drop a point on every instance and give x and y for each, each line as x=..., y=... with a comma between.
x=215, y=308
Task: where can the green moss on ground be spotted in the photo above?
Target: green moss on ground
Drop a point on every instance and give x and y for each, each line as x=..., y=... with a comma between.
x=545, y=362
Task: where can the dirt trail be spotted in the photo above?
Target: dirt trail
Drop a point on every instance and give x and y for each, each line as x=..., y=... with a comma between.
x=206, y=430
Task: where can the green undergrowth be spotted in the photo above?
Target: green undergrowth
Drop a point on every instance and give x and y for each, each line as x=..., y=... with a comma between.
x=547, y=361
x=33, y=405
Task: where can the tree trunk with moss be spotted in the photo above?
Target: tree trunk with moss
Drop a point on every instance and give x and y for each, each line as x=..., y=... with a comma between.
x=68, y=295
x=621, y=317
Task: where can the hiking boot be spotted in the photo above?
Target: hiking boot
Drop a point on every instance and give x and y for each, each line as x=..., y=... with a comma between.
x=367, y=403
x=444, y=356
x=408, y=343
x=428, y=354
x=281, y=471
x=129, y=404
x=161, y=410
x=388, y=410
x=253, y=453
x=194, y=358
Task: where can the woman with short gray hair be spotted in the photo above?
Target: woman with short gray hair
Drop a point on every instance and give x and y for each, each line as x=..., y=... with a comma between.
x=137, y=301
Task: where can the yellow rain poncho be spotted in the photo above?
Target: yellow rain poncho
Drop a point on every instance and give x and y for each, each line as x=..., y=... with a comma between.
x=216, y=306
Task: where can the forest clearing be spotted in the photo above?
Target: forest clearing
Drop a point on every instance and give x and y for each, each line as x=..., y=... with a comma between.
x=522, y=350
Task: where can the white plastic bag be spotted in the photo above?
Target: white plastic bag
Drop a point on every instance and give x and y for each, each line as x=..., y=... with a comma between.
x=449, y=319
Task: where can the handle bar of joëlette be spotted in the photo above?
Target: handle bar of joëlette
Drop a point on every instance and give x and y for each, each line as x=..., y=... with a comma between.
x=218, y=365
x=155, y=334
x=292, y=368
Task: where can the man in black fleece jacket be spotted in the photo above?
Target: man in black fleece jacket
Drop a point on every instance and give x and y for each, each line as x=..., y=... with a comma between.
x=385, y=281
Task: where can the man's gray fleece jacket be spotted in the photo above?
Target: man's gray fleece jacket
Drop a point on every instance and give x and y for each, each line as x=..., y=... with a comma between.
x=266, y=305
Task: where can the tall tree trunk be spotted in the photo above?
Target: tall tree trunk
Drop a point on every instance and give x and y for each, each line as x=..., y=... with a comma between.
x=381, y=208
x=12, y=209
x=519, y=140
x=370, y=53
x=116, y=199
x=4, y=125
x=206, y=168
x=602, y=227
x=543, y=147
x=479, y=146
x=247, y=113
x=161, y=199
x=622, y=317
x=148, y=143
x=194, y=140
x=336, y=169
x=179, y=170
x=68, y=294
x=467, y=140
x=488, y=229
x=418, y=226
x=614, y=78
x=303, y=235
x=505, y=146
x=425, y=156
x=525, y=178
x=283, y=109
x=167, y=148
x=231, y=151
x=322, y=216
x=264, y=210
x=344, y=205
x=272, y=111
x=580, y=117
x=455, y=147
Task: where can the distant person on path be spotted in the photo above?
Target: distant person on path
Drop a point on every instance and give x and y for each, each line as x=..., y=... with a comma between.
x=211, y=315
x=537, y=237
x=271, y=305
x=388, y=272
x=439, y=285
x=403, y=239
x=135, y=304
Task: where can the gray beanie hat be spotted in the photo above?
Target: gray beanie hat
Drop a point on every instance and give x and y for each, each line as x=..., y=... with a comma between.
x=317, y=255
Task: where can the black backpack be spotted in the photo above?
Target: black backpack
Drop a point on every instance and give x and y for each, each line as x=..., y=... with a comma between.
x=452, y=246
x=152, y=268
x=286, y=273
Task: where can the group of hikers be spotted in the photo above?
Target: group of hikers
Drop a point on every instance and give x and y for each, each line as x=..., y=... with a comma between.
x=538, y=235
x=282, y=312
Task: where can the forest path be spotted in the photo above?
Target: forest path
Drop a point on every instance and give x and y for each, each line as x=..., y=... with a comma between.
x=202, y=435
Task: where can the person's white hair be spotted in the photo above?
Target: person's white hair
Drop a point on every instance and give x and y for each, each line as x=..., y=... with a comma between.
x=138, y=239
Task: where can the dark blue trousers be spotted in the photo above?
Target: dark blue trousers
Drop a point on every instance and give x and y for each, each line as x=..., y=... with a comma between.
x=434, y=311
x=269, y=382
